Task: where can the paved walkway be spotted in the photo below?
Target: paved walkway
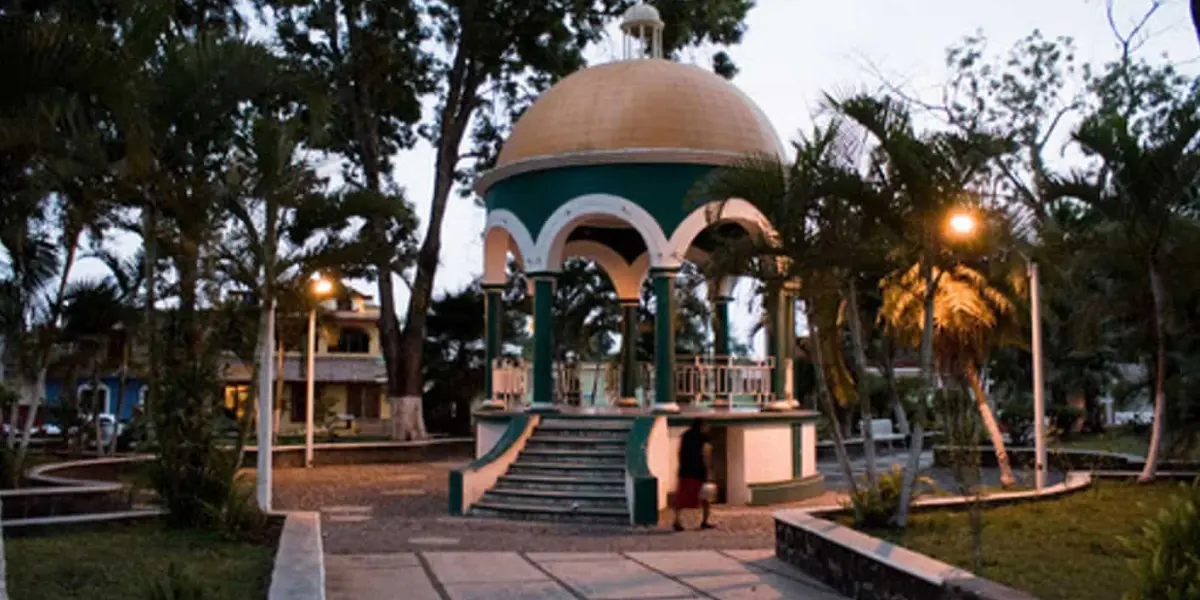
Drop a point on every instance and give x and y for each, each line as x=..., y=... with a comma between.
x=723, y=575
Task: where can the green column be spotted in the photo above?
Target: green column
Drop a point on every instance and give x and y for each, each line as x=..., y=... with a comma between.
x=664, y=341
x=493, y=303
x=775, y=301
x=543, y=342
x=629, y=338
x=720, y=325
x=789, y=346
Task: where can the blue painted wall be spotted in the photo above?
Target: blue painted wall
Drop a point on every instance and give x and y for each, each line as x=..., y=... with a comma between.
x=133, y=389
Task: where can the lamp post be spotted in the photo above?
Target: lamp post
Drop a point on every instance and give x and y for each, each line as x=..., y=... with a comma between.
x=266, y=408
x=964, y=225
x=321, y=287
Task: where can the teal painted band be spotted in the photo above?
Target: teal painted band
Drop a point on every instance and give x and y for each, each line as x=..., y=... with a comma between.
x=727, y=418
x=645, y=485
x=792, y=490
x=662, y=189
x=517, y=425
x=797, y=451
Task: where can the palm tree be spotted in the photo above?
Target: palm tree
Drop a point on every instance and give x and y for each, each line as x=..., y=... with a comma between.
x=923, y=175
x=969, y=315
x=788, y=195
x=1146, y=189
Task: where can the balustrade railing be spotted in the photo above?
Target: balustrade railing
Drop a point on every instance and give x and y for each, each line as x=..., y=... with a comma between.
x=700, y=380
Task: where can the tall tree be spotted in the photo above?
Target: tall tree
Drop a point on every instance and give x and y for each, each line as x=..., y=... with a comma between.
x=1145, y=135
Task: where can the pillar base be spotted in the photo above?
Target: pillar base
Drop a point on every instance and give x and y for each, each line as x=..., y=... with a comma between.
x=668, y=407
x=493, y=404
x=776, y=406
x=628, y=403
x=542, y=408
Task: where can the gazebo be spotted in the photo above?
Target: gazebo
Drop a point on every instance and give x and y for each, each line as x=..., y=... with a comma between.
x=600, y=167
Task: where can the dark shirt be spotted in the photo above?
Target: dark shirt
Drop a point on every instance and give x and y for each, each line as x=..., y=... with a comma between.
x=691, y=455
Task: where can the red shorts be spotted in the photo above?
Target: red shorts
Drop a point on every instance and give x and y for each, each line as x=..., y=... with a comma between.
x=687, y=495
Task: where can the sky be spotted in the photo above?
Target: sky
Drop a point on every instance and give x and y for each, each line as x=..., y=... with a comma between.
x=796, y=50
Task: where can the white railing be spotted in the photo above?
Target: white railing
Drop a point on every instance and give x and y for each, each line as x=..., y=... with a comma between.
x=702, y=379
x=711, y=379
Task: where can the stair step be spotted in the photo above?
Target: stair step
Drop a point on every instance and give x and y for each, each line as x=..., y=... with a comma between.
x=516, y=510
x=566, y=470
x=576, y=452
x=582, y=485
x=575, y=439
x=559, y=495
x=623, y=425
x=561, y=500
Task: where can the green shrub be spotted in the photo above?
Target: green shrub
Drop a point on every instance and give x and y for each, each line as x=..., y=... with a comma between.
x=1167, y=555
x=177, y=585
x=874, y=508
x=1016, y=416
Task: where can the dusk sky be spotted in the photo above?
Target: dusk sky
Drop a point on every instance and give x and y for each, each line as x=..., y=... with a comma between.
x=795, y=50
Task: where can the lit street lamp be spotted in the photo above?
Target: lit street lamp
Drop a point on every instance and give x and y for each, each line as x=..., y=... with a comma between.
x=963, y=225
x=321, y=287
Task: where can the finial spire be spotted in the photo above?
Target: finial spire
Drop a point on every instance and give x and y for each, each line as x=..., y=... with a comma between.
x=643, y=29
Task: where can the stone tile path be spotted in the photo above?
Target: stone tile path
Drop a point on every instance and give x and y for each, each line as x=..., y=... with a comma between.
x=721, y=575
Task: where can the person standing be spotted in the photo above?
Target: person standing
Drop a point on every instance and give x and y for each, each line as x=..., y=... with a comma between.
x=695, y=469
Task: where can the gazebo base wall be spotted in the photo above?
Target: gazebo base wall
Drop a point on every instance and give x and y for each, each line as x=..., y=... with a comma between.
x=760, y=458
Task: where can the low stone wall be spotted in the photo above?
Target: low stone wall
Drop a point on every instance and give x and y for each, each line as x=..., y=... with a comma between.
x=867, y=568
x=286, y=457
x=1067, y=459
x=299, y=572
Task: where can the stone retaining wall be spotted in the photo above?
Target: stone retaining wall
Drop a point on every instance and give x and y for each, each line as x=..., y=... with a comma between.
x=286, y=457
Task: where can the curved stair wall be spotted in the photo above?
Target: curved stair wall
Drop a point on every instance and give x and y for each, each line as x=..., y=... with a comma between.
x=469, y=483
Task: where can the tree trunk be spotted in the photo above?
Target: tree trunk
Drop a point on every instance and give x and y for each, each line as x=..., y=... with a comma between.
x=835, y=429
x=150, y=329
x=122, y=382
x=989, y=422
x=917, y=440
x=1160, y=376
x=862, y=384
x=98, y=410
x=888, y=368
x=35, y=394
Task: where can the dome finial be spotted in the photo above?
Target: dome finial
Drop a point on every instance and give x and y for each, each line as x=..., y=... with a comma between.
x=643, y=29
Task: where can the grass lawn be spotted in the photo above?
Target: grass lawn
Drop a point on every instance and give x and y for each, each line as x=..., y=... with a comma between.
x=1065, y=549
x=1123, y=441
x=122, y=562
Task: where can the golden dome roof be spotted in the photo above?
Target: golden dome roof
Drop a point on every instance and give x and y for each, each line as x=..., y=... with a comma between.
x=649, y=104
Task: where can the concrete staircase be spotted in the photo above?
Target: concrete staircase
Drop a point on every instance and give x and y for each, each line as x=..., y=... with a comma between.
x=571, y=469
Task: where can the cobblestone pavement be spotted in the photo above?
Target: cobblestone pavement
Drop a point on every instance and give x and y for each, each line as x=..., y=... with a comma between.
x=369, y=509
x=727, y=575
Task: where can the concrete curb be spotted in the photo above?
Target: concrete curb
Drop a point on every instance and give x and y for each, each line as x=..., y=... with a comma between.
x=299, y=572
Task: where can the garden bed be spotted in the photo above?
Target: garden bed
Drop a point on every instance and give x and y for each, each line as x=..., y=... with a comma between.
x=125, y=560
x=1063, y=549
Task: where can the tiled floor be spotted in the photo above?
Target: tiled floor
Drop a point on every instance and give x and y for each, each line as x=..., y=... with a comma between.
x=727, y=575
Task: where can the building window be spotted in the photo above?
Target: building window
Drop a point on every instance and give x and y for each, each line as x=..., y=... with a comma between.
x=94, y=398
x=237, y=398
x=352, y=340
x=362, y=400
x=299, y=408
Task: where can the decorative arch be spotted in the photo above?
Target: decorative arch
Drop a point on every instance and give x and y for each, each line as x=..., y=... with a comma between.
x=504, y=232
x=558, y=227
x=626, y=278
x=734, y=210
x=87, y=389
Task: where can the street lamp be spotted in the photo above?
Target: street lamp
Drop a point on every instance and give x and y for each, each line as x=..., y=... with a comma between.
x=321, y=287
x=963, y=224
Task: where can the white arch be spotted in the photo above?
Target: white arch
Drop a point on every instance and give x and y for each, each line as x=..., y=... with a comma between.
x=558, y=227
x=502, y=233
x=88, y=386
x=734, y=210
x=626, y=278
